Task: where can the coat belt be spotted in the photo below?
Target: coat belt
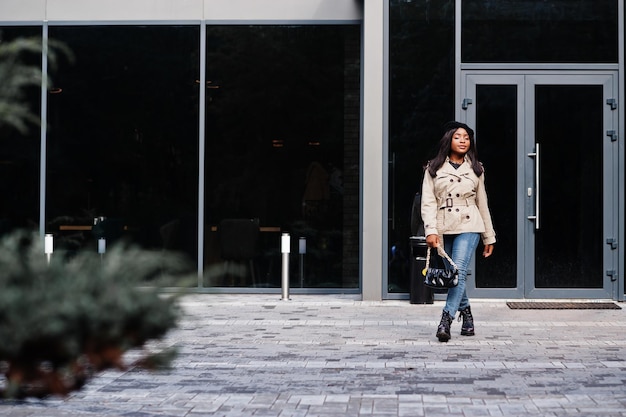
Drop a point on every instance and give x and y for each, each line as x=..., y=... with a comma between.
x=455, y=202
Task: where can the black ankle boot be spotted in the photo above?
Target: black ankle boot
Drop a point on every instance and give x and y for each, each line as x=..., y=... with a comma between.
x=443, y=331
x=467, y=329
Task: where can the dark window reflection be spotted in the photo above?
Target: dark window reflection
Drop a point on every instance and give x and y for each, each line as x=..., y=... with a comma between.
x=496, y=143
x=421, y=100
x=123, y=137
x=571, y=178
x=20, y=150
x=282, y=149
x=539, y=31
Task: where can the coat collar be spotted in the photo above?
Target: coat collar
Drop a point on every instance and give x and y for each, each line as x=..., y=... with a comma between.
x=462, y=170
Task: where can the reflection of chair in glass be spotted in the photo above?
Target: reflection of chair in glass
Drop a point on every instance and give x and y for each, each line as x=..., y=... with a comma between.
x=238, y=242
x=170, y=235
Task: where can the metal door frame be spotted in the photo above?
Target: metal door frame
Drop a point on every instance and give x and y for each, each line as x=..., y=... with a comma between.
x=526, y=82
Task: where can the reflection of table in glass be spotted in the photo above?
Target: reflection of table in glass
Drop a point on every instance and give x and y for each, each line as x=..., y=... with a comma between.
x=274, y=229
x=84, y=234
x=79, y=227
x=74, y=227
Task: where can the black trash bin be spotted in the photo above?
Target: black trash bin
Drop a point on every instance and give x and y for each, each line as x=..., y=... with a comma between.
x=420, y=294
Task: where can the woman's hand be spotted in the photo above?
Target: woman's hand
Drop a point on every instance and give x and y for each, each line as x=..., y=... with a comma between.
x=432, y=241
x=487, y=251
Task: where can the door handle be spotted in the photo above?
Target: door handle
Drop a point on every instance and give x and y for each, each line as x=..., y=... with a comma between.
x=535, y=155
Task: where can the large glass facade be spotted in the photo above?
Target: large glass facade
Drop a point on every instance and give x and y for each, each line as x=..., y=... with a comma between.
x=282, y=142
x=19, y=150
x=421, y=100
x=123, y=138
x=422, y=97
x=282, y=154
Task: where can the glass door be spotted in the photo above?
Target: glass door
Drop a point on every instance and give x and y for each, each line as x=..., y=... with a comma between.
x=549, y=155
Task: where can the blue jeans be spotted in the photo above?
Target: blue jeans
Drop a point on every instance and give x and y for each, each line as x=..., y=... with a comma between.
x=460, y=248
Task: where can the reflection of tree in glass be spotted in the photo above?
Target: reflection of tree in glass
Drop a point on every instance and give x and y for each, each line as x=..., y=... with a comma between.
x=18, y=75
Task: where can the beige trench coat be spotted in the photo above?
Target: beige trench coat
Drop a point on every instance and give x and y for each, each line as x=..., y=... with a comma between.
x=455, y=201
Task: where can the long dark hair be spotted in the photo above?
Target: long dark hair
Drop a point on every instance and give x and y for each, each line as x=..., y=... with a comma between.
x=444, y=150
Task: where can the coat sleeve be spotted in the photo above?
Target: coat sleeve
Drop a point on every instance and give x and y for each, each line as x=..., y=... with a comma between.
x=429, y=205
x=489, y=235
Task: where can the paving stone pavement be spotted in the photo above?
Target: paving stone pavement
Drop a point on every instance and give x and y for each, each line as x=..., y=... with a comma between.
x=330, y=355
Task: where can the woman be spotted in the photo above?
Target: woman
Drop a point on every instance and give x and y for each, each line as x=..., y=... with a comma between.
x=456, y=214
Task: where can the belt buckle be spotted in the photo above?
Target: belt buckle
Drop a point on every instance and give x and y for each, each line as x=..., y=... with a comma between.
x=448, y=202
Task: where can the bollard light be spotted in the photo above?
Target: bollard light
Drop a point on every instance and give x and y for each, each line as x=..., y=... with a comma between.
x=102, y=245
x=285, y=243
x=302, y=252
x=48, y=245
x=302, y=246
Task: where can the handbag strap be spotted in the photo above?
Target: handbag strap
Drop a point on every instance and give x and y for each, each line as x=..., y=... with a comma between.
x=441, y=253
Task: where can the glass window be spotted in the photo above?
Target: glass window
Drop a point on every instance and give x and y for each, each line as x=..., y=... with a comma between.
x=539, y=31
x=19, y=149
x=574, y=262
x=282, y=154
x=496, y=141
x=123, y=138
x=421, y=100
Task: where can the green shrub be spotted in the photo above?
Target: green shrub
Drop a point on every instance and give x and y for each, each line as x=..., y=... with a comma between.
x=62, y=321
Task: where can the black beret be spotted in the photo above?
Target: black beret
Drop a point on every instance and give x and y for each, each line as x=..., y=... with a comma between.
x=452, y=125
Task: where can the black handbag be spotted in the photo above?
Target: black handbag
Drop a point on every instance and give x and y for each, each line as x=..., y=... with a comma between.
x=439, y=278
